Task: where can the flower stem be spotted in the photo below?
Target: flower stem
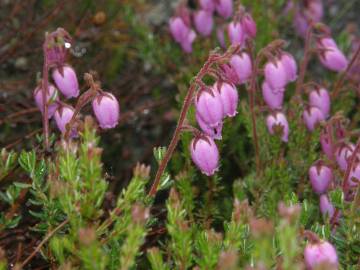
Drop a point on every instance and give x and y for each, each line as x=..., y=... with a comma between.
x=213, y=58
x=45, y=89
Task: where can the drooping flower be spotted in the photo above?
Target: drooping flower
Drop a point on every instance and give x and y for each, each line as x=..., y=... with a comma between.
x=229, y=98
x=248, y=25
x=213, y=132
x=327, y=209
x=290, y=66
x=326, y=144
x=312, y=117
x=224, y=8
x=276, y=75
x=62, y=116
x=241, y=64
x=182, y=33
x=107, y=110
x=51, y=97
x=221, y=36
x=277, y=124
x=204, y=22
x=330, y=55
x=209, y=106
x=236, y=33
x=273, y=99
x=320, y=177
x=317, y=254
x=205, y=154
x=66, y=81
x=208, y=5
x=320, y=98
x=343, y=153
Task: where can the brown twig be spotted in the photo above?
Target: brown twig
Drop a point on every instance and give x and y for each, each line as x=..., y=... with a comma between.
x=341, y=79
x=47, y=237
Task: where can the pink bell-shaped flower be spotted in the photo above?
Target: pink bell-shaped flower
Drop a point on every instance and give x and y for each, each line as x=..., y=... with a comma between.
x=273, y=99
x=224, y=8
x=230, y=73
x=107, y=110
x=62, y=116
x=327, y=209
x=209, y=106
x=320, y=98
x=66, y=81
x=290, y=66
x=182, y=34
x=204, y=22
x=208, y=5
x=213, y=132
x=249, y=25
x=322, y=253
x=205, y=154
x=241, y=64
x=343, y=153
x=51, y=97
x=320, y=177
x=236, y=33
x=276, y=75
x=330, y=56
x=278, y=124
x=354, y=176
x=229, y=98
x=312, y=117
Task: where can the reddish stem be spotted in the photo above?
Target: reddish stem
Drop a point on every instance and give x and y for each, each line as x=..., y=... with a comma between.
x=252, y=93
x=304, y=63
x=213, y=58
x=45, y=87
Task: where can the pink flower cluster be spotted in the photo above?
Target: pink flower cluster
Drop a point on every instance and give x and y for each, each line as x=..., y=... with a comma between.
x=105, y=105
x=239, y=29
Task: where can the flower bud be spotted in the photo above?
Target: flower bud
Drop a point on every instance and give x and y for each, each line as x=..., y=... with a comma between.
x=107, y=110
x=236, y=33
x=62, y=116
x=51, y=97
x=275, y=75
x=208, y=5
x=230, y=73
x=312, y=116
x=213, y=132
x=241, y=64
x=204, y=22
x=205, y=154
x=209, y=107
x=317, y=254
x=273, y=99
x=249, y=25
x=229, y=98
x=343, y=153
x=224, y=8
x=300, y=24
x=66, y=81
x=320, y=177
x=290, y=66
x=278, y=124
x=327, y=209
x=320, y=98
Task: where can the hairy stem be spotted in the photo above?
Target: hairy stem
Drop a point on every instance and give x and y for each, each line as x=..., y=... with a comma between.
x=213, y=58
